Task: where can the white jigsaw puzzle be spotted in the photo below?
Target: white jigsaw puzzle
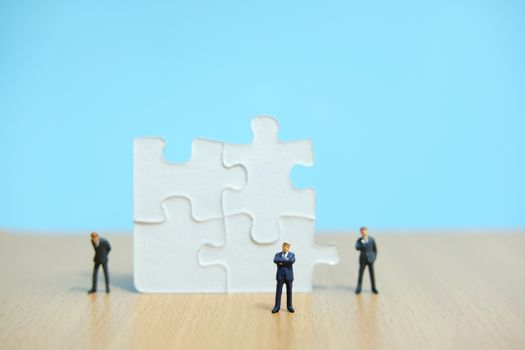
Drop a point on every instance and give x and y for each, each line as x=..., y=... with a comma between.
x=269, y=193
x=214, y=224
x=249, y=265
x=202, y=179
x=166, y=255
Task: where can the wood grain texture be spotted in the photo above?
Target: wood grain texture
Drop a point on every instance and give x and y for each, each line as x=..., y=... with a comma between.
x=437, y=291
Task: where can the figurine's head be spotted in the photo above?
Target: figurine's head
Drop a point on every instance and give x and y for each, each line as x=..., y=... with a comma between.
x=364, y=231
x=95, y=237
x=286, y=247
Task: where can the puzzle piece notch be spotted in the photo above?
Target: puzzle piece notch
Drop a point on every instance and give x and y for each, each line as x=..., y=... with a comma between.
x=249, y=264
x=202, y=179
x=269, y=193
x=166, y=254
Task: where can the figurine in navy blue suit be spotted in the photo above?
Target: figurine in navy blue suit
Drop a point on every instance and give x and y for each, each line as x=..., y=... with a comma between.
x=284, y=261
x=368, y=248
x=102, y=249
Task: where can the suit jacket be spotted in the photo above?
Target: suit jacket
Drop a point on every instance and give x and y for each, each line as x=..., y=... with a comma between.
x=368, y=251
x=284, y=267
x=102, y=251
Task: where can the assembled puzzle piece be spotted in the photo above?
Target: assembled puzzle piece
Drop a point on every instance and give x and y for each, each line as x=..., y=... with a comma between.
x=166, y=254
x=202, y=179
x=249, y=264
x=268, y=193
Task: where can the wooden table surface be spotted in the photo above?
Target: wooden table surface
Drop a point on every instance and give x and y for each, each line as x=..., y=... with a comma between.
x=437, y=291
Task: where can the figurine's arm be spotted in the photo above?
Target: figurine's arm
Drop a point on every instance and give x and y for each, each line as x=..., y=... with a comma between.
x=279, y=260
x=288, y=262
x=291, y=261
x=108, y=246
x=374, y=247
x=359, y=244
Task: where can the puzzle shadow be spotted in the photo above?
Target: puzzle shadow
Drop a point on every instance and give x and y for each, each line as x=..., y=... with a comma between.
x=123, y=281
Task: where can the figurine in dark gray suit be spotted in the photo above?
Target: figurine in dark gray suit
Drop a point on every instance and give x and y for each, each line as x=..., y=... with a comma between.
x=284, y=261
x=102, y=249
x=368, y=248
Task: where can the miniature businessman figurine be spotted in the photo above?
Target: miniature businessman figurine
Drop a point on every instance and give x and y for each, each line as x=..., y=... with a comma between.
x=368, y=248
x=102, y=249
x=284, y=261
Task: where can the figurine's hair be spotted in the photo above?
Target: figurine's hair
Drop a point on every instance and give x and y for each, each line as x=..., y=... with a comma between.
x=363, y=228
x=94, y=234
x=286, y=244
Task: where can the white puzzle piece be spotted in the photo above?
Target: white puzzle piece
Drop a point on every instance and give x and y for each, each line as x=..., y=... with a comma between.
x=268, y=193
x=166, y=255
x=201, y=180
x=249, y=264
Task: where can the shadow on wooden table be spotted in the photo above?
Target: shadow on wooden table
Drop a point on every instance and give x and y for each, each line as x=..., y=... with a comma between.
x=123, y=281
x=263, y=306
x=339, y=287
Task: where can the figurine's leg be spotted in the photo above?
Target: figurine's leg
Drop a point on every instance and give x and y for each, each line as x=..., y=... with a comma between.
x=278, y=292
x=372, y=275
x=360, y=279
x=289, y=294
x=106, y=275
x=95, y=276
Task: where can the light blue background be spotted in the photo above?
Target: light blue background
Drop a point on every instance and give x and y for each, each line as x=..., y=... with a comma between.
x=416, y=108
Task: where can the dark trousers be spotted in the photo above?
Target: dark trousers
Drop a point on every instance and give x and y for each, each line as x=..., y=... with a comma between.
x=95, y=275
x=279, y=292
x=370, y=270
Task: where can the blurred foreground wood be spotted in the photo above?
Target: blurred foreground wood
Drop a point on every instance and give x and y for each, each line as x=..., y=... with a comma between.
x=437, y=291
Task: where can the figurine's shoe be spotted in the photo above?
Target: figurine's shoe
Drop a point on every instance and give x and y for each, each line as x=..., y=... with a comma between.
x=375, y=291
x=275, y=309
x=91, y=291
x=291, y=309
x=358, y=290
x=108, y=290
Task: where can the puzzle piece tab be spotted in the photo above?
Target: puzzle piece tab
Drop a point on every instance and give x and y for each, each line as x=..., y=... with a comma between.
x=202, y=179
x=166, y=254
x=268, y=194
x=249, y=264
